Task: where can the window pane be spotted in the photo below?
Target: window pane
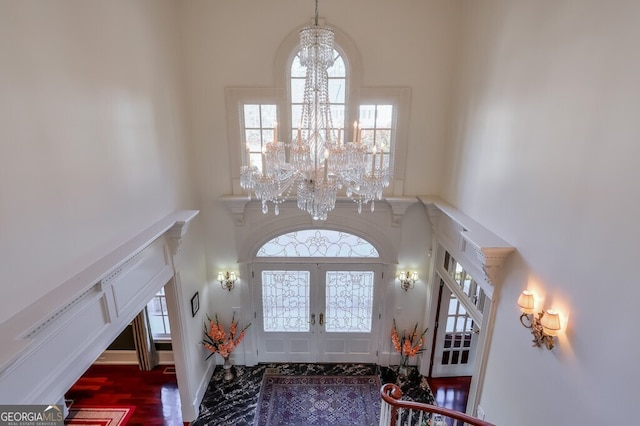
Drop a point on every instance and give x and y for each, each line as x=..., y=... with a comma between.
x=453, y=305
x=269, y=115
x=383, y=139
x=462, y=310
x=450, y=324
x=366, y=136
x=349, y=301
x=337, y=113
x=297, y=70
x=157, y=324
x=252, y=116
x=158, y=315
x=367, y=116
x=336, y=91
x=297, y=90
x=338, y=68
x=285, y=301
x=384, y=117
x=253, y=140
x=296, y=113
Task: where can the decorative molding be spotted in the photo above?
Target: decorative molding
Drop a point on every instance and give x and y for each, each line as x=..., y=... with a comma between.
x=488, y=250
x=34, y=330
x=492, y=259
x=399, y=206
x=236, y=205
x=177, y=232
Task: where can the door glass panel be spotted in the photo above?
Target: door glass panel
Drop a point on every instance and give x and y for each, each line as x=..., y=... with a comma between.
x=349, y=301
x=458, y=334
x=285, y=301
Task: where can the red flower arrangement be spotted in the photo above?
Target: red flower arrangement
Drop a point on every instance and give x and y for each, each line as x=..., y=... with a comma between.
x=406, y=345
x=218, y=341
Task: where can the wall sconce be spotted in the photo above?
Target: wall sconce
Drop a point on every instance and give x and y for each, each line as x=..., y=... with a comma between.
x=227, y=280
x=407, y=279
x=543, y=327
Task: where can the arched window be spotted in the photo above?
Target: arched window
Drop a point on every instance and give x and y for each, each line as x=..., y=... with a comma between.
x=318, y=243
x=382, y=112
x=337, y=90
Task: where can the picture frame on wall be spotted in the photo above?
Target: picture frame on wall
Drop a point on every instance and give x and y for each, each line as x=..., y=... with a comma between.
x=195, y=304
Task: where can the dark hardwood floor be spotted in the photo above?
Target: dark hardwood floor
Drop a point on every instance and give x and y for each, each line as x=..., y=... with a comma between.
x=451, y=392
x=155, y=393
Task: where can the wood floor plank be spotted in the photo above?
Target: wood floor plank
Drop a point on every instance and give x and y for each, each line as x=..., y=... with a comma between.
x=153, y=393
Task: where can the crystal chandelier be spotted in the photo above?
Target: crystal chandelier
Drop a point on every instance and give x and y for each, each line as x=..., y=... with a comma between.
x=317, y=164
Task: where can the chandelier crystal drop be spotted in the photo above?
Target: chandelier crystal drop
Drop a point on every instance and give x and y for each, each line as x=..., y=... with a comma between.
x=317, y=164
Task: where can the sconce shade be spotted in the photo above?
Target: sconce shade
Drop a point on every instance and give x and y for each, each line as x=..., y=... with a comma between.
x=525, y=302
x=550, y=322
x=227, y=280
x=407, y=279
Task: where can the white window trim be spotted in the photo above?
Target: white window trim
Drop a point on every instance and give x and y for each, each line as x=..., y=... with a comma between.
x=236, y=98
x=400, y=98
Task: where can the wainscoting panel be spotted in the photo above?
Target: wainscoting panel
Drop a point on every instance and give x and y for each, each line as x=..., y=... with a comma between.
x=139, y=271
x=62, y=347
x=49, y=345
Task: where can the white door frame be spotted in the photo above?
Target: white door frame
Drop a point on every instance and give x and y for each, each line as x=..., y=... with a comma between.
x=438, y=369
x=484, y=322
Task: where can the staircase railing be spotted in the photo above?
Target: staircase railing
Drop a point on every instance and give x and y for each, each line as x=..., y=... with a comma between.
x=395, y=412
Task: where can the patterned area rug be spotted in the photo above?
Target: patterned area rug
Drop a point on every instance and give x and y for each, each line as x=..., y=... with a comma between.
x=318, y=401
x=98, y=416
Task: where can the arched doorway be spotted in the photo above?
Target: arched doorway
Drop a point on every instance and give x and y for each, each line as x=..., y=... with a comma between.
x=317, y=297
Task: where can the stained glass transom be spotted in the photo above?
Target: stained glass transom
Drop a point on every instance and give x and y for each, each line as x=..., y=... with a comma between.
x=349, y=301
x=285, y=301
x=318, y=243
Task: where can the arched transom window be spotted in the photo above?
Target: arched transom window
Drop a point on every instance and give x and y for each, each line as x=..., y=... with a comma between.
x=318, y=243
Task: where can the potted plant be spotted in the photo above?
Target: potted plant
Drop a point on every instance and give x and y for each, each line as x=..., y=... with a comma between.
x=218, y=341
x=408, y=346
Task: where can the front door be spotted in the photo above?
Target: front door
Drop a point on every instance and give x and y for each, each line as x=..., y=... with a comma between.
x=316, y=312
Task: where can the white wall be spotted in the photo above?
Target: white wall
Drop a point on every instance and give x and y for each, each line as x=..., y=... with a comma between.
x=94, y=147
x=234, y=43
x=544, y=153
x=93, y=141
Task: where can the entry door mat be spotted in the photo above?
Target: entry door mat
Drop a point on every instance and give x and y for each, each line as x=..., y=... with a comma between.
x=318, y=401
x=98, y=416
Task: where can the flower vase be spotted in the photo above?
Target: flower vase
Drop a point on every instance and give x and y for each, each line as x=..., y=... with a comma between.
x=403, y=369
x=226, y=367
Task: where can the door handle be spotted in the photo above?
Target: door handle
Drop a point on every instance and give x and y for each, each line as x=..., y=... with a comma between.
x=321, y=319
x=313, y=319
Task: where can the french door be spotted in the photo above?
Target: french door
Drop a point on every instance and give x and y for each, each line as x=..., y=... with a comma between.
x=316, y=312
x=456, y=337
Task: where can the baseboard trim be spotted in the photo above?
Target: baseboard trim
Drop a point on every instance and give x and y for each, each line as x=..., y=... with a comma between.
x=112, y=357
